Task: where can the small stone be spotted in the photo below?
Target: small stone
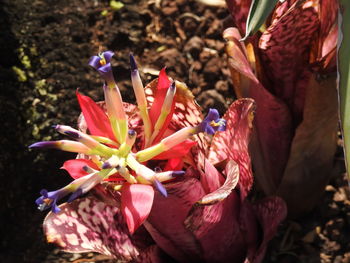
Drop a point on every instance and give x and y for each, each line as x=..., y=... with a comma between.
x=169, y=10
x=212, y=99
x=212, y=68
x=194, y=46
x=222, y=86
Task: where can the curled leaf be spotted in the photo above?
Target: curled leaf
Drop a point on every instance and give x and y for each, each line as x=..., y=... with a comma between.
x=232, y=173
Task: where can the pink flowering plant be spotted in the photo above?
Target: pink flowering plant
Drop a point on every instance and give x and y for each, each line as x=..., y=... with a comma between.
x=289, y=68
x=158, y=182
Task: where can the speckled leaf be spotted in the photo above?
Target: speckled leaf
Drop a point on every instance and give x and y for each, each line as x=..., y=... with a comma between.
x=272, y=126
x=258, y=13
x=217, y=224
x=327, y=44
x=186, y=113
x=232, y=177
x=344, y=76
x=238, y=60
x=270, y=212
x=153, y=254
x=90, y=225
x=232, y=144
x=284, y=49
x=239, y=10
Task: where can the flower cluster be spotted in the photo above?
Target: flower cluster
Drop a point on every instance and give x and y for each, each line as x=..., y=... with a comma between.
x=112, y=149
x=199, y=167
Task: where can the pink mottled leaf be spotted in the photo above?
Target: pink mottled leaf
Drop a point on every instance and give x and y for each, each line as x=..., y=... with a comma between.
x=75, y=167
x=232, y=177
x=211, y=178
x=328, y=26
x=270, y=212
x=238, y=61
x=90, y=225
x=153, y=254
x=272, y=128
x=239, y=10
x=250, y=229
x=186, y=113
x=137, y=200
x=218, y=224
x=166, y=220
x=284, y=48
x=232, y=144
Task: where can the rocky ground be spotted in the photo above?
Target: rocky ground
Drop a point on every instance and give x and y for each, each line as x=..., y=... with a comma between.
x=44, y=49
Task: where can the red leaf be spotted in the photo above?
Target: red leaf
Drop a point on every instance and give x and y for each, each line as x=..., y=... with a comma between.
x=75, y=167
x=177, y=151
x=115, y=178
x=137, y=200
x=174, y=164
x=96, y=119
x=162, y=88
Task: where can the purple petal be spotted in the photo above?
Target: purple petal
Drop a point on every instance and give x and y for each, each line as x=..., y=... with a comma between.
x=95, y=62
x=178, y=173
x=158, y=185
x=133, y=64
x=213, y=115
x=72, y=134
x=47, y=144
x=108, y=55
x=54, y=208
x=44, y=193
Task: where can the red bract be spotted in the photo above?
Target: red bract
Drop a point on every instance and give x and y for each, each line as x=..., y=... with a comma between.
x=205, y=217
x=284, y=70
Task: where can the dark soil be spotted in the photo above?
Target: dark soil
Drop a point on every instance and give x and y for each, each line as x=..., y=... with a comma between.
x=44, y=49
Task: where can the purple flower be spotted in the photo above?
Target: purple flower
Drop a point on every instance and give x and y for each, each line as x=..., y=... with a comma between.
x=49, y=199
x=212, y=123
x=102, y=63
